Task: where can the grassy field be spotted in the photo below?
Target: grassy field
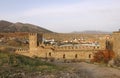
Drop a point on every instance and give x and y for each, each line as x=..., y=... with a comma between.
x=11, y=63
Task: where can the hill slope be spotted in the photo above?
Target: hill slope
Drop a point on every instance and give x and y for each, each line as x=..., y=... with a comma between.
x=18, y=66
x=6, y=26
x=91, y=32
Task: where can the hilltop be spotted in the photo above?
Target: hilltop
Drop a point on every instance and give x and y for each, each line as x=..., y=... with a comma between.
x=91, y=32
x=6, y=26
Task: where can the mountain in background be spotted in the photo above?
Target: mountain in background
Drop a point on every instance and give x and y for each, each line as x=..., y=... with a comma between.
x=6, y=26
x=91, y=32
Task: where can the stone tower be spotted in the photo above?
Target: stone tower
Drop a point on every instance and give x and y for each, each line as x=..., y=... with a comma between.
x=116, y=43
x=33, y=42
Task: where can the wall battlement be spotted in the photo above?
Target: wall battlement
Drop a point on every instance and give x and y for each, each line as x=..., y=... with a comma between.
x=22, y=51
x=32, y=34
x=77, y=48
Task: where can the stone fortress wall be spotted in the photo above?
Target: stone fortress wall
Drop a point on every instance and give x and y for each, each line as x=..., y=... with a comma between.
x=61, y=52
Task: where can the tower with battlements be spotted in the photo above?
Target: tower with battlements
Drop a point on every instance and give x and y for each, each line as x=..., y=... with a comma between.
x=32, y=42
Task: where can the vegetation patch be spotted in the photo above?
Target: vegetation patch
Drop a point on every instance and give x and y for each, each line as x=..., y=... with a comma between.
x=11, y=64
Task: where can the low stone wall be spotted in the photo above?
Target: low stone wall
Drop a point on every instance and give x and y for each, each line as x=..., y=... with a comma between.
x=24, y=52
x=75, y=48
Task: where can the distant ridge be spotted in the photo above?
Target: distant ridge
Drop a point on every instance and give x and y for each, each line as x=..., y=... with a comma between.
x=6, y=26
x=92, y=32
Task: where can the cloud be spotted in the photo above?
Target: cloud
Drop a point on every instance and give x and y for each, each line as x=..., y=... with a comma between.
x=73, y=9
x=82, y=15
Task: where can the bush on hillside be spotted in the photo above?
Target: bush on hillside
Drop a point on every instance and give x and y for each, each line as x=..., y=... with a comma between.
x=117, y=61
x=13, y=60
x=103, y=56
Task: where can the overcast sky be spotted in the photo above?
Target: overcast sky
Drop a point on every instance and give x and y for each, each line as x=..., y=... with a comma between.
x=64, y=15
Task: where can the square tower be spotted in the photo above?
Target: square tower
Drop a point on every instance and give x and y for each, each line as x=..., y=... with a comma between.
x=32, y=42
x=116, y=42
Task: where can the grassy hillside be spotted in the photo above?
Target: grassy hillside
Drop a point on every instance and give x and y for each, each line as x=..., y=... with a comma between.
x=6, y=26
x=13, y=66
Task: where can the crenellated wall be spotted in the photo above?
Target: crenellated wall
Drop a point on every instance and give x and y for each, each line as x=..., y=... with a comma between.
x=76, y=48
x=59, y=52
x=23, y=52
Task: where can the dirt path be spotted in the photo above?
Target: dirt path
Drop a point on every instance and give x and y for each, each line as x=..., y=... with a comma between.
x=85, y=70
